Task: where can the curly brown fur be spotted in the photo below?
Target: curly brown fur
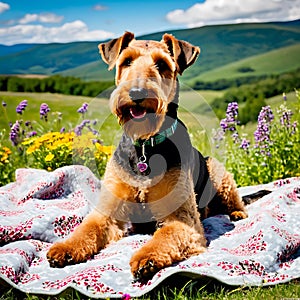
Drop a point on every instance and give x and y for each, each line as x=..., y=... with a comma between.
x=175, y=182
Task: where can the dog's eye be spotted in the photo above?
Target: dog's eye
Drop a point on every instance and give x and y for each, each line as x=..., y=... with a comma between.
x=127, y=62
x=162, y=66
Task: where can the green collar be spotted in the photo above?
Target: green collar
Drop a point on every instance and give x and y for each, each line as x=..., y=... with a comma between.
x=158, y=138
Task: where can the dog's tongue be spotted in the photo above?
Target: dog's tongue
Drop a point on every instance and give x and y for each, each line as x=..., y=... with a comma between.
x=137, y=112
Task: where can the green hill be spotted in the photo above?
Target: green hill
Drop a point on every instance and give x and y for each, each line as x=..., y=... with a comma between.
x=220, y=46
x=273, y=62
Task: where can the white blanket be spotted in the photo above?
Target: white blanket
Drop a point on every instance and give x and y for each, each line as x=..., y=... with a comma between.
x=42, y=207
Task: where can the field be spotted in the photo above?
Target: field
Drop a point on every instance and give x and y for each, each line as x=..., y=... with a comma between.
x=275, y=62
x=99, y=110
x=196, y=112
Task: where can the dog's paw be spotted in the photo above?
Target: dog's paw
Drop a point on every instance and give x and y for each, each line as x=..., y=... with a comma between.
x=145, y=264
x=238, y=215
x=144, y=271
x=61, y=254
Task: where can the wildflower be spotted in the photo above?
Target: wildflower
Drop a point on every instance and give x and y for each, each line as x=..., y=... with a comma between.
x=14, y=133
x=44, y=109
x=21, y=107
x=230, y=122
x=62, y=130
x=31, y=134
x=284, y=96
x=126, y=297
x=49, y=157
x=263, y=131
x=4, y=104
x=245, y=144
x=83, y=109
x=78, y=129
x=5, y=152
x=286, y=115
x=294, y=127
x=218, y=137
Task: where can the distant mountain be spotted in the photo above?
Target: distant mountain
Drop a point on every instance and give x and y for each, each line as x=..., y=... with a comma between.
x=220, y=45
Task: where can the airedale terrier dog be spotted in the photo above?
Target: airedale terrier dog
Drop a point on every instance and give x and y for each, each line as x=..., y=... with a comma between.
x=155, y=179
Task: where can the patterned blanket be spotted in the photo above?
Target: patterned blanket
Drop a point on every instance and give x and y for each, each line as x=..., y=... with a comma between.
x=42, y=207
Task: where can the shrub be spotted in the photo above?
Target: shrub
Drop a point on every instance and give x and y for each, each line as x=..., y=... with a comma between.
x=273, y=151
x=37, y=149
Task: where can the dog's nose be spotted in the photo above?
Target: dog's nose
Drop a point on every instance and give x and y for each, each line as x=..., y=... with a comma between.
x=138, y=94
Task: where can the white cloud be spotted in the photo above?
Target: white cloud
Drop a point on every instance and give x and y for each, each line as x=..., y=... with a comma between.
x=100, y=7
x=235, y=11
x=68, y=32
x=4, y=7
x=43, y=18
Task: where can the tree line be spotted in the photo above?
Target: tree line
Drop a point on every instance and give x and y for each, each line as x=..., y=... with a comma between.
x=253, y=95
x=224, y=83
x=54, y=84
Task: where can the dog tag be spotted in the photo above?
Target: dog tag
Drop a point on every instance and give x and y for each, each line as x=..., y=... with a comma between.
x=142, y=166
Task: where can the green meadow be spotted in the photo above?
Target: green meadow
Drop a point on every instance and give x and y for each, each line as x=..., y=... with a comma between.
x=196, y=112
x=273, y=62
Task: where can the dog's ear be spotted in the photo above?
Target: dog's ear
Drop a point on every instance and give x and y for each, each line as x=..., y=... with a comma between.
x=111, y=50
x=184, y=53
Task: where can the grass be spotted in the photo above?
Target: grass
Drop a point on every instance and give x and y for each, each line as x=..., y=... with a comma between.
x=273, y=62
x=176, y=287
x=99, y=110
x=67, y=105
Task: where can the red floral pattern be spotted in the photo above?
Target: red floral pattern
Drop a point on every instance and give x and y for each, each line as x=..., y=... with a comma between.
x=64, y=225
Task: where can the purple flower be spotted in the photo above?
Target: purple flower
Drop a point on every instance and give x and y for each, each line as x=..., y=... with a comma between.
x=285, y=119
x=4, y=104
x=245, y=144
x=284, y=97
x=83, y=109
x=14, y=133
x=230, y=122
x=63, y=129
x=31, y=133
x=94, y=131
x=126, y=297
x=78, y=129
x=44, y=109
x=294, y=127
x=263, y=131
x=21, y=107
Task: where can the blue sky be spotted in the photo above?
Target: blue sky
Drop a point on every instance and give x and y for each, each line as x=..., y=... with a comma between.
x=38, y=21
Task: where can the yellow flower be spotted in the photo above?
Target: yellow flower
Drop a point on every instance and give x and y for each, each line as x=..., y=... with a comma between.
x=49, y=157
x=33, y=148
x=7, y=150
x=108, y=150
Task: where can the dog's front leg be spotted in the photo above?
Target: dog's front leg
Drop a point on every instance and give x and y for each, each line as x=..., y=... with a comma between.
x=96, y=231
x=172, y=243
x=181, y=235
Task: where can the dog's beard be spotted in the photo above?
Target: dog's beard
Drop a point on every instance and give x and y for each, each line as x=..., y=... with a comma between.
x=144, y=128
x=139, y=121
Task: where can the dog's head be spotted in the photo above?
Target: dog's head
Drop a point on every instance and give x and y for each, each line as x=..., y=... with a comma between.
x=146, y=82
